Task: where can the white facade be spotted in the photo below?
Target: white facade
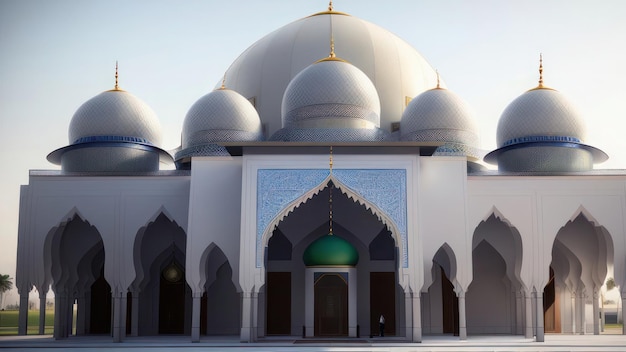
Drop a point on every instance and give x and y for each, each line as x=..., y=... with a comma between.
x=216, y=247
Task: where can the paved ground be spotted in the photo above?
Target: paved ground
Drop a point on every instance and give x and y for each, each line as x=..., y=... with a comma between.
x=430, y=343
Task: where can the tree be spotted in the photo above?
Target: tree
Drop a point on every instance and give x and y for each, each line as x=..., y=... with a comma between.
x=5, y=283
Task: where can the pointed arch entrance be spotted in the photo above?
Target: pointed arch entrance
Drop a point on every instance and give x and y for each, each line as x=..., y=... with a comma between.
x=77, y=257
x=163, y=298
x=581, y=254
x=496, y=260
x=220, y=307
x=284, y=267
x=442, y=301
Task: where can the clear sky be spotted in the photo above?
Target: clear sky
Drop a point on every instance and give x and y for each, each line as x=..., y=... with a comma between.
x=55, y=55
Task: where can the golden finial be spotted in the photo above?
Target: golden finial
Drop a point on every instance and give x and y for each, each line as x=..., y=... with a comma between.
x=540, y=70
x=332, y=46
x=117, y=87
x=438, y=80
x=330, y=6
x=223, y=82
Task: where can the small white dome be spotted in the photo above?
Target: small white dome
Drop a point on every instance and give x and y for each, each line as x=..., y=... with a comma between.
x=112, y=132
x=538, y=114
x=115, y=114
x=540, y=131
x=439, y=115
x=331, y=94
x=221, y=116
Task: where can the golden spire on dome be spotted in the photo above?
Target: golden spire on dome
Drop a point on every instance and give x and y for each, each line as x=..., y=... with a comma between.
x=331, y=56
x=330, y=11
x=540, y=85
x=223, y=86
x=117, y=86
x=438, y=80
x=540, y=71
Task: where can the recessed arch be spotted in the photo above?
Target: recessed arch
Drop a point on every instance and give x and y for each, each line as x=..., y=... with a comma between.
x=398, y=235
x=76, y=252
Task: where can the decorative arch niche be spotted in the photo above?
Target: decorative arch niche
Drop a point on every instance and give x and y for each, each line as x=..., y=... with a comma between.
x=383, y=192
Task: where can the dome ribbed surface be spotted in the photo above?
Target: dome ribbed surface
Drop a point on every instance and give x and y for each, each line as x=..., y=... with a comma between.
x=539, y=113
x=331, y=94
x=116, y=114
x=265, y=69
x=330, y=250
x=439, y=115
x=221, y=116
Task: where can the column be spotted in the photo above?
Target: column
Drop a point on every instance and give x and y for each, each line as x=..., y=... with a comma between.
x=574, y=312
x=119, y=316
x=195, y=316
x=539, y=305
x=60, y=315
x=134, y=314
x=246, y=316
x=81, y=315
x=582, y=305
x=417, y=317
x=255, y=312
x=22, y=324
x=596, y=313
x=623, y=311
x=528, y=330
x=519, y=315
x=462, y=319
x=408, y=315
x=42, y=312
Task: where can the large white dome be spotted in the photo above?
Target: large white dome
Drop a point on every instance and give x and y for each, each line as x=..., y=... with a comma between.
x=115, y=114
x=264, y=70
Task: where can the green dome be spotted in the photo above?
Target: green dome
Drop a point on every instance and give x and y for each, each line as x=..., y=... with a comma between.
x=330, y=250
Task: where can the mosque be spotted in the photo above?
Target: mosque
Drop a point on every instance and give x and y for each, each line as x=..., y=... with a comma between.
x=329, y=179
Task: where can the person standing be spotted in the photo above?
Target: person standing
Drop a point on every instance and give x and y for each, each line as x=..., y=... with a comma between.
x=381, y=325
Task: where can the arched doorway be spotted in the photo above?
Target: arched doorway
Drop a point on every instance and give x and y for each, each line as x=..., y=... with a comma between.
x=581, y=253
x=77, y=258
x=285, y=281
x=491, y=303
x=331, y=305
x=221, y=303
x=163, y=296
x=443, y=304
x=171, y=299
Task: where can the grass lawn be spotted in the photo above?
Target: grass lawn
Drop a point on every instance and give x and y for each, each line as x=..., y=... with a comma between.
x=8, y=322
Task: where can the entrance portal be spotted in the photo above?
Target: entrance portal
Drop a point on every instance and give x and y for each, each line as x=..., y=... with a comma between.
x=331, y=305
x=172, y=300
x=383, y=301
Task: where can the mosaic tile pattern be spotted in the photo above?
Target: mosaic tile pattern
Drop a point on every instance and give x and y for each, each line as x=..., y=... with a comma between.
x=115, y=113
x=202, y=150
x=221, y=116
x=330, y=135
x=277, y=189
